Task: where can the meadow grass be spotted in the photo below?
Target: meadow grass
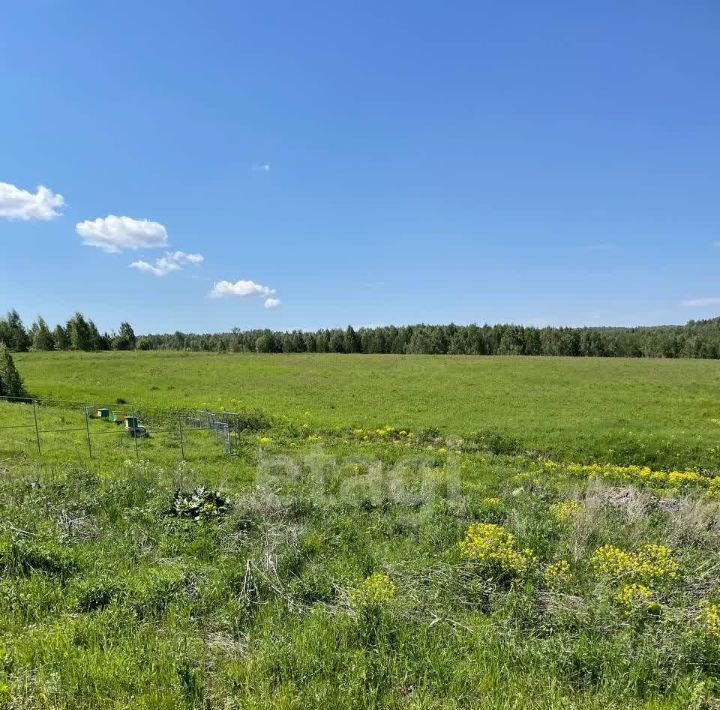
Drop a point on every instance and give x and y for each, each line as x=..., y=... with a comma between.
x=344, y=558
x=659, y=412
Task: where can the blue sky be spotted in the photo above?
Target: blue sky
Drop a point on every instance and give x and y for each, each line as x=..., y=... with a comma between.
x=360, y=162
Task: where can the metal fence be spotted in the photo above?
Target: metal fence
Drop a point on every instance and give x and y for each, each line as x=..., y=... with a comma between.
x=214, y=423
x=90, y=422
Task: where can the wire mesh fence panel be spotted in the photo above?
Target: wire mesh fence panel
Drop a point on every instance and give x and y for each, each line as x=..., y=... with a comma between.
x=241, y=423
x=213, y=423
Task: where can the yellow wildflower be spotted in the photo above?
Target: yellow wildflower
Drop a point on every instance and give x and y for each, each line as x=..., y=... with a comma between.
x=634, y=474
x=713, y=490
x=375, y=590
x=649, y=562
x=678, y=479
x=558, y=574
x=492, y=544
x=709, y=618
x=566, y=510
x=636, y=597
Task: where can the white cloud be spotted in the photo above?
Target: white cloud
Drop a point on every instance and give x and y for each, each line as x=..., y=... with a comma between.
x=262, y=167
x=113, y=234
x=240, y=288
x=272, y=302
x=21, y=204
x=713, y=301
x=172, y=261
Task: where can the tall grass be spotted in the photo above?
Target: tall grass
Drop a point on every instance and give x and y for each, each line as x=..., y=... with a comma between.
x=117, y=592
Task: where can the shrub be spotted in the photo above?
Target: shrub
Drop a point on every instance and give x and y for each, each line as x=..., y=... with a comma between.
x=496, y=442
x=11, y=384
x=252, y=421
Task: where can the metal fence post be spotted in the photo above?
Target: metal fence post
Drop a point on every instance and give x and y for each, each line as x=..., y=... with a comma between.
x=37, y=430
x=87, y=430
x=182, y=440
x=135, y=434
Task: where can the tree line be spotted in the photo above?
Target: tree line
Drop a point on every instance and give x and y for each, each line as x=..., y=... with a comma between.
x=695, y=339
x=78, y=333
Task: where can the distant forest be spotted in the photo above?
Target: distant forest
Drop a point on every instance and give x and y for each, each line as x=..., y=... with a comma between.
x=696, y=339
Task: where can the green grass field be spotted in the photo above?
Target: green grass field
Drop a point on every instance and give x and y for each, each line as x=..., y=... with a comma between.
x=662, y=412
x=395, y=532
